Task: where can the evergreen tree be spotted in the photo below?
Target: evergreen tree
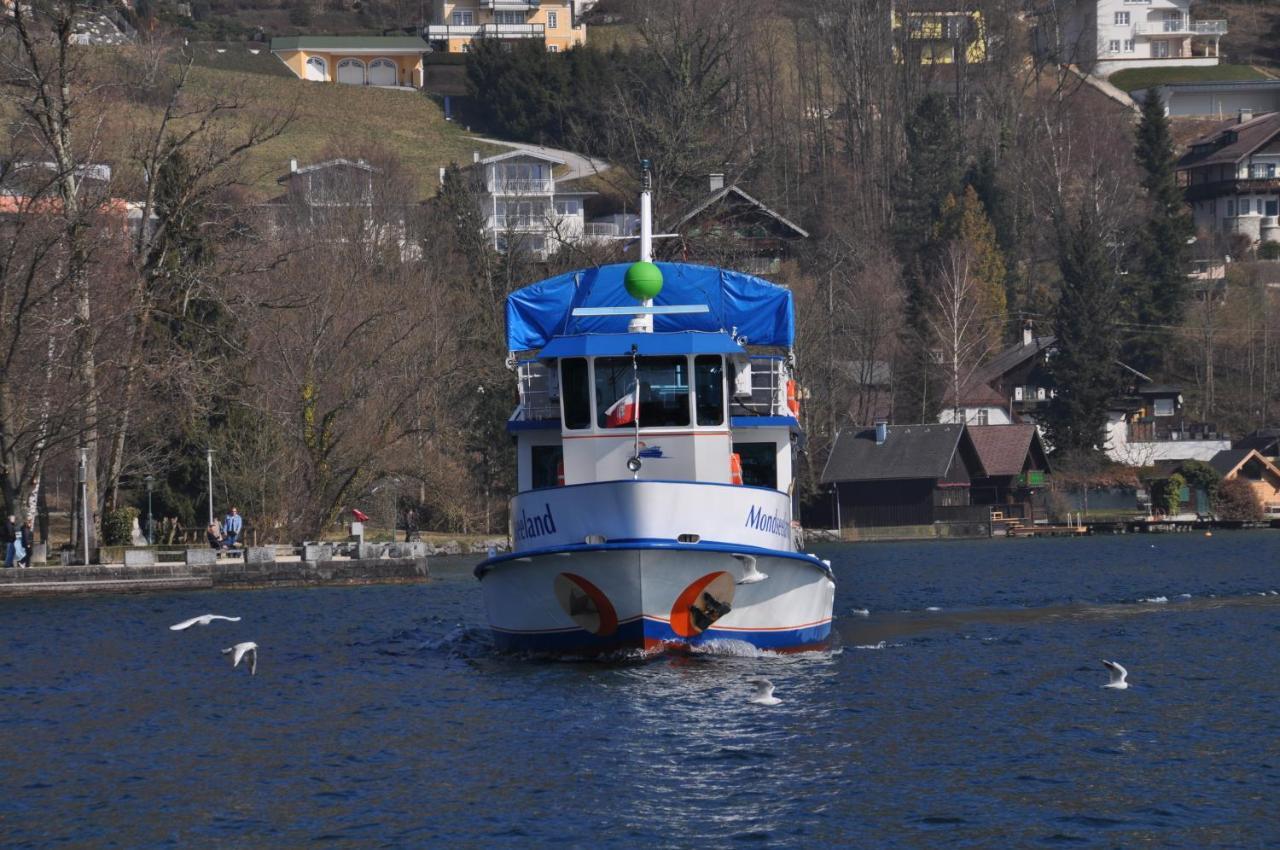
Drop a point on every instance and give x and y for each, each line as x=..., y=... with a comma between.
x=519, y=91
x=1157, y=298
x=930, y=174
x=1084, y=366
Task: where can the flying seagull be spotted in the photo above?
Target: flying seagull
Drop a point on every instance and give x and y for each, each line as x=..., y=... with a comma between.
x=203, y=620
x=750, y=573
x=764, y=692
x=241, y=650
x=1118, y=675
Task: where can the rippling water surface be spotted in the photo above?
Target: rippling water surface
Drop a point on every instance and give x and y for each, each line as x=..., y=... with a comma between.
x=381, y=716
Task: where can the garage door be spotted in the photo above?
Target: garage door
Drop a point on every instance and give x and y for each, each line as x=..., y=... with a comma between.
x=382, y=72
x=317, y=70
x=351, y=72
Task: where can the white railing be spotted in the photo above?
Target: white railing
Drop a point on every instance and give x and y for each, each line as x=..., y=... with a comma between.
x=518, y=185
x=769, y=376
x=600, y=229
x=539, y=398
x=437, y=31
x=514, y=30
x=1182, y=27
x=506, y=222
x=511, y=5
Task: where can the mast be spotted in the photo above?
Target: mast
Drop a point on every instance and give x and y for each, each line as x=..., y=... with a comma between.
x=643, y=322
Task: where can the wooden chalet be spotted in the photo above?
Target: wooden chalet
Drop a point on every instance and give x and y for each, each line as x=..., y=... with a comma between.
x=903, y=475
x=1265, y=440
x=733, y=229
x=1014, y=465
x=1262, y=476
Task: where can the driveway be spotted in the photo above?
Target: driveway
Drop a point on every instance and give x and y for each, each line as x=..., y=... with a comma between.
x=576, y=164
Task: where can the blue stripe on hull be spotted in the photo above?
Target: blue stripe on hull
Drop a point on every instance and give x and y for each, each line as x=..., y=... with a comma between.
x=642, y=634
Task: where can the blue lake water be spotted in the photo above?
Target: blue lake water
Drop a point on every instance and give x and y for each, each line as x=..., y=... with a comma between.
x=381, y=717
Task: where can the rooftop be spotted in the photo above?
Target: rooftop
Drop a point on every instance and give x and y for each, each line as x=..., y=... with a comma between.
x=1012, y=357
x=387, y=43
x=1003, y=449
x=909, y=451
x=1232, y=141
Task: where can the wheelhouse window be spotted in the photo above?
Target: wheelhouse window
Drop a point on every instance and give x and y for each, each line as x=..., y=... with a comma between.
x=547, y=465
x=575, y=391
x=759, y=464
x=708, y=379
x=660, y=383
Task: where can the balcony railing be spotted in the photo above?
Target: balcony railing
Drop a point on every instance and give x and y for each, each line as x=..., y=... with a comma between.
x=522, y=222
x=1217, y=188
x=436, y=32
x=514, y=30
x=1209, y=27
x=522, y=185
x=439, y=31
x=1181, y=27
x=600, y=228
x=511, y=5
x=1172, y=432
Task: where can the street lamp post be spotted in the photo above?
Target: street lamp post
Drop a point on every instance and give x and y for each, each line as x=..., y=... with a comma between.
x=209, y=455
x=82, y=477
x=151, y=483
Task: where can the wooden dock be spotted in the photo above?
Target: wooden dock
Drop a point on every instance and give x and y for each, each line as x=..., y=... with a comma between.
x=1019, y=530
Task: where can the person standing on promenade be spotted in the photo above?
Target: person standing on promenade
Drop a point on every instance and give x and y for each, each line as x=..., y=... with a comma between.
x=231, y=526
x=410, y=525
x=26, y=539
x=9, y=536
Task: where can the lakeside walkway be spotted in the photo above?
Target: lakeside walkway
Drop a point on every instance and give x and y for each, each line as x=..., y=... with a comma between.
x=202, y=569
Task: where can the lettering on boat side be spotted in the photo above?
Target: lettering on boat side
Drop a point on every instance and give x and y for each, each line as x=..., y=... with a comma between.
x=529, y=527
x=769, y=523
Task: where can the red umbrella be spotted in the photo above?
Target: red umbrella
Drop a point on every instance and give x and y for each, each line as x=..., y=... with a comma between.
x=360, y=515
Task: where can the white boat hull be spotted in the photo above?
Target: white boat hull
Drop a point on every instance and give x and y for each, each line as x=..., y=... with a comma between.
x=606, y=598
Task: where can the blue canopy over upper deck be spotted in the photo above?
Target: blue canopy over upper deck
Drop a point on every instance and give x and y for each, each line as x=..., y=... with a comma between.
x=755, y=311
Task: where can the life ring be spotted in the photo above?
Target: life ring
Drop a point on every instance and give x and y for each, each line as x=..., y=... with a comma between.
x=560, y=472
x=735, y=468
x=793, y=402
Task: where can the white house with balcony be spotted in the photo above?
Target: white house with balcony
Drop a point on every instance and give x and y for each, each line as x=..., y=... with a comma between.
x=524, y=209
x=1105, y=36
x=1232, y=177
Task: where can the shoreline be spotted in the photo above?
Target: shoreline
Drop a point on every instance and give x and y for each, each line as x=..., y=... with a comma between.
x=119, y=578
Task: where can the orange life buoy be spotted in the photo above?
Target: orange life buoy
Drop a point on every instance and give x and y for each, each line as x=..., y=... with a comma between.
x=735, y=468
x=793, y=402
x=560, y=472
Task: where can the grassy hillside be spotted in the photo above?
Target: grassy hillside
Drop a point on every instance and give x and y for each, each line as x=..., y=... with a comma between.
x=329, y=119
x=1134, y=79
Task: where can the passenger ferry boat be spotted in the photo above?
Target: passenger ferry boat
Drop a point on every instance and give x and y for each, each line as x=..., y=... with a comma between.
x=656, y=435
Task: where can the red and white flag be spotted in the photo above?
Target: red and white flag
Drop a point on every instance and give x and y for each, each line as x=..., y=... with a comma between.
x=623, y=411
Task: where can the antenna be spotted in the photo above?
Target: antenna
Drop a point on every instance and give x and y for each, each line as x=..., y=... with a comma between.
x=643, y=322
x=646, y=212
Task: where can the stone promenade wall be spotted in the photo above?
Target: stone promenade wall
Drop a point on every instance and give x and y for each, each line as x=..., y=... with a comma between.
x=118, y=578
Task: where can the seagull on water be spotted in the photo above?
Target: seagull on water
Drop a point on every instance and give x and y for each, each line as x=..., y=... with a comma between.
x=1118, y=675
x=763, y=694
x=203, y=620
x=241, y=650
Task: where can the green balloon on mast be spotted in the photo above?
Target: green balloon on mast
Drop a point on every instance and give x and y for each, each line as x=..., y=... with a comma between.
x=643, y=280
